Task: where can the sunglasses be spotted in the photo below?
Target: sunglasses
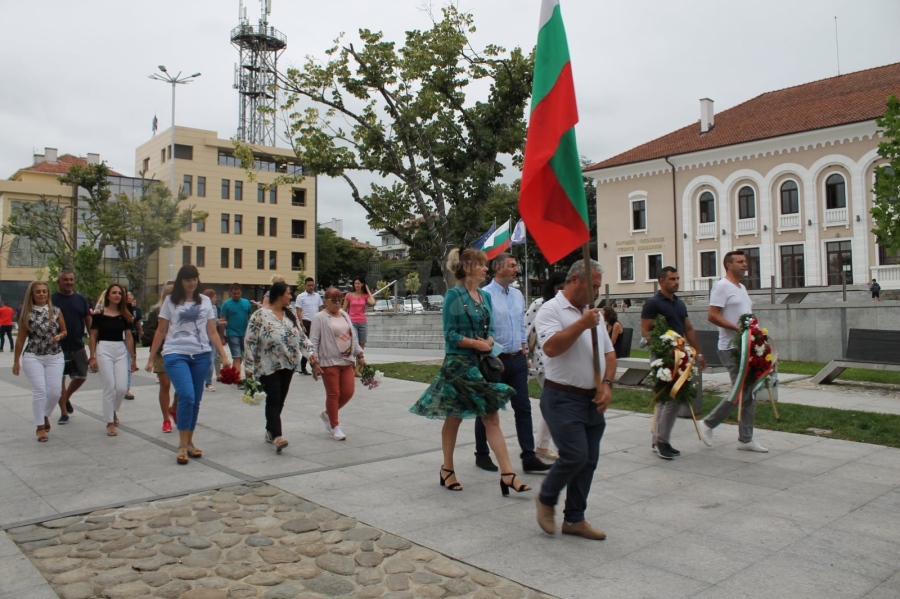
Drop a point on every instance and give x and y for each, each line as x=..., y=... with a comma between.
x=333, y=301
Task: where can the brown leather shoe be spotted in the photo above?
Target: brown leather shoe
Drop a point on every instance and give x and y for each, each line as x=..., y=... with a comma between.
x=583, y=529
x=546, y=516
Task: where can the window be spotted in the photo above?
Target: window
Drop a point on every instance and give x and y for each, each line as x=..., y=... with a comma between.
x=792, y=269
x=188, y=186
x=260, y=193
x=298, y=229
x=654, y=265
x=298, y=197
x=746, y=203
x=639, y=215
x=753, y=279
x=708, y=264
x=839, y=256
x=260, y=225
x=238, y=225
x=162, y=155
x=238, y=258
x=146, y=167
x=201, y=257
x=186, y=254
x=273, y=260
x=790, y=198
x=260, y=259
x=239, y=191
x=183, y=152
x=273, y=227
x=626, y=268
x=223, y=258
x=201, y=227
x=835, y=192
x=707, y=208
x=225, y=219
x=273, y=195
x=201, y=187
x=298, y=261
x=226, y=189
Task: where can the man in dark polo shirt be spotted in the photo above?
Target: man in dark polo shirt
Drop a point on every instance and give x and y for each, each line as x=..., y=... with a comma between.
x=668, y=304
x=77, y=315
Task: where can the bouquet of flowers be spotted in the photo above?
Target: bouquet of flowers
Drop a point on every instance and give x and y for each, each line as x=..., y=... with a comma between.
x=756, y=356
x=253, y=392
x=673, y=366
x=370, y=377
x=229, y=376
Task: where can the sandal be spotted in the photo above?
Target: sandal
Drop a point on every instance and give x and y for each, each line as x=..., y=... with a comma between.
x=46, y=424
x=504, y=488
x=42, y=435
x=193, y=451
x=451, y=486
x=111, y=432
x=182, y=457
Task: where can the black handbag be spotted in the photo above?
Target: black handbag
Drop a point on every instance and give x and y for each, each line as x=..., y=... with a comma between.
x=490, y=365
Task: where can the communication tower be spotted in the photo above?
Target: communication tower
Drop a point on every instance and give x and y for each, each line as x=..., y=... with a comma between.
x=255, y=75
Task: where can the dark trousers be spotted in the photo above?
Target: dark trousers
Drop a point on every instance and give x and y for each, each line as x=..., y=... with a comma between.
x=276, y=386
x=6, y=332
x=515, y=374
x=576, y=427
x=307, y=327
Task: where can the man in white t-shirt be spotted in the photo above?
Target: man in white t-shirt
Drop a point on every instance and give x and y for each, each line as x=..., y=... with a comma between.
x=309, y=303
x=727, y=303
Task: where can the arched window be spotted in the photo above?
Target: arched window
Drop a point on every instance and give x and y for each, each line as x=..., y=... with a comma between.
x=835, y=192
x=707, y=208
x=746, y=203
x=790, y=198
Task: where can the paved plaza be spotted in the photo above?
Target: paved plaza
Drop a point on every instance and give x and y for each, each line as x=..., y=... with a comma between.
x=815, y=517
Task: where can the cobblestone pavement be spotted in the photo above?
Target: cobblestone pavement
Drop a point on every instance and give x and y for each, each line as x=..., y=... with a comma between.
x=251, y=540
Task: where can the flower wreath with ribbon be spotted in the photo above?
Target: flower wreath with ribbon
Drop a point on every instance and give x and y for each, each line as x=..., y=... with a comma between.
x=756, y=357
x=672, y=364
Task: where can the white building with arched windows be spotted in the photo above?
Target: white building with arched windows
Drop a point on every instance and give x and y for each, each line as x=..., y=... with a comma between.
x=786, y=177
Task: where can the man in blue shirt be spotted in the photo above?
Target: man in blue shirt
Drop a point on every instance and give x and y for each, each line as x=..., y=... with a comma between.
x=236, y=313
x=508, y=318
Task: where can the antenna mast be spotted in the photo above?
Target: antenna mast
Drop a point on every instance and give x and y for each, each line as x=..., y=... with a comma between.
x=255, y=74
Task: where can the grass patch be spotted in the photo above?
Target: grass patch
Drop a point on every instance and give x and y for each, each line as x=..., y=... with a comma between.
x=850, y=425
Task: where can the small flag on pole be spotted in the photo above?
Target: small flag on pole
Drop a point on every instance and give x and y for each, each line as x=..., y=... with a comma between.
x=518, y=234
x=479, y=243
x=497, y=243
x=552, y=201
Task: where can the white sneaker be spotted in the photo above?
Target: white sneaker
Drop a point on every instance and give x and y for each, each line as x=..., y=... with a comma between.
x=269, y=437
x=324, y=416
x=547, y=454
x=752, y=446
x=706, y=434
x=337, y=434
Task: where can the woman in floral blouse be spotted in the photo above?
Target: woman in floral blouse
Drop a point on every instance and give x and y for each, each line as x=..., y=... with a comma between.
x=43, y=327
x=274, y=344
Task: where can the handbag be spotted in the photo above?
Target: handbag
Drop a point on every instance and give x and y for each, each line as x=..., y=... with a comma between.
x=489, y=365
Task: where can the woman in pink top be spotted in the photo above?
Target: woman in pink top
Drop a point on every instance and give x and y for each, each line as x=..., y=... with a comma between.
x=355, y=304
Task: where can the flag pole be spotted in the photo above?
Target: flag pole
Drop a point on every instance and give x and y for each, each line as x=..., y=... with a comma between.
x=527, y=278
x=595, y=345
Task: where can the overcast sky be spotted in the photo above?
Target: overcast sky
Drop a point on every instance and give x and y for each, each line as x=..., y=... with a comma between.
x=73, y=75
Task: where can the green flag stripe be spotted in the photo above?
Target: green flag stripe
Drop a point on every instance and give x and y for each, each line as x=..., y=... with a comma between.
x=552, y=55
x=566, y=165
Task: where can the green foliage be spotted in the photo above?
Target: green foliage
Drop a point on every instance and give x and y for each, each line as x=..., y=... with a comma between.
x=337, y=258
x=412, y=282
x=90, y=280
x=402, y=112
x=386, y=292
x=885, y=210
x=301, y=277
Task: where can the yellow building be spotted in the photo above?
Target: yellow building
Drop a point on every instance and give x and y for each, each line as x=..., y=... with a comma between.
x=254, y=230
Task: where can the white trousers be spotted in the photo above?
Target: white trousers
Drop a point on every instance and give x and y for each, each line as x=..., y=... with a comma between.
x=45, y=375
x=113, y=363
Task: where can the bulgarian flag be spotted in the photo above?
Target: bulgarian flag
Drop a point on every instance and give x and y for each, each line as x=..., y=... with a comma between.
x=497, y=242
x=551, y=200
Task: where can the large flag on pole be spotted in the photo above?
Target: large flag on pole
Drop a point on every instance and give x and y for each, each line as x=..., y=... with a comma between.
x=518, y=234
x=551, y=200
x=479, y=243
x=498, y=242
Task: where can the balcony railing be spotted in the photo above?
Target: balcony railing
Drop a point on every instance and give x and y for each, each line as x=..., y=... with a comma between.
x=789, y=222
x=835, y=216
x=887, y=276
x=746, y=226
x=706, y=230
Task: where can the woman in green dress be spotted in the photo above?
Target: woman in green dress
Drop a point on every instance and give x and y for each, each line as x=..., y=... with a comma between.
x=460, y=391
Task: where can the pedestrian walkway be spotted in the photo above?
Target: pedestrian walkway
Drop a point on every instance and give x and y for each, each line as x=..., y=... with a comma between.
x=812, y=518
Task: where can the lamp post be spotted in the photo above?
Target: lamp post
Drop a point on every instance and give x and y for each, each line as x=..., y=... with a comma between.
x=174, y=80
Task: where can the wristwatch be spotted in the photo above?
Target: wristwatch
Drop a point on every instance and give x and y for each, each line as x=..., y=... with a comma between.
x=608, y=382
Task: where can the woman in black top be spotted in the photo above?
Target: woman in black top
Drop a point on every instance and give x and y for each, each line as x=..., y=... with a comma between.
x=109, y=356
x=615, y=330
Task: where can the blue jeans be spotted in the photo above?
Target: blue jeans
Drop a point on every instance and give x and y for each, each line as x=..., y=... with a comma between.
x=576, y=427
x=515, y=374
x=187, y=373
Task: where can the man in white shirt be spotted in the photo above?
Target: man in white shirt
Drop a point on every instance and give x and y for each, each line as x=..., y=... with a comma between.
x=572, y=403
x=308, y=303
x=727, y=303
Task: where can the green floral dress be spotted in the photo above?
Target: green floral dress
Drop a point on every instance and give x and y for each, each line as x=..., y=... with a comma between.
x=460, y=391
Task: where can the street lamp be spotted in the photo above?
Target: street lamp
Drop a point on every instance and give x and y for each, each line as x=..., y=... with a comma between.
x=166, y=77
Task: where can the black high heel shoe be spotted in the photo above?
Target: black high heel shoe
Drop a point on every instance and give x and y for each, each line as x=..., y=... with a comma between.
x=452, y=486
x=504, y=488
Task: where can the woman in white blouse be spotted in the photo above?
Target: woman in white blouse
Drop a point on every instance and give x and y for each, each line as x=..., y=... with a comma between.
x=273, y=346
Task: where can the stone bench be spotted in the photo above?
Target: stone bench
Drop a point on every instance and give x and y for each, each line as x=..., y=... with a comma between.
x=871, y=349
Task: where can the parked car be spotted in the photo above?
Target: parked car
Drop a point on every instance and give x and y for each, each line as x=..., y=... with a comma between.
x=385, y=305
x=434, y=303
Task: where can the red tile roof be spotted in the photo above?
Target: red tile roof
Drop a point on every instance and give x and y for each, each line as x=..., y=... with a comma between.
x=840, y=100
x=61, y=166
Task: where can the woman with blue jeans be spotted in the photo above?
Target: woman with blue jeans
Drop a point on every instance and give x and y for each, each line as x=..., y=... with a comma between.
x=187, y=325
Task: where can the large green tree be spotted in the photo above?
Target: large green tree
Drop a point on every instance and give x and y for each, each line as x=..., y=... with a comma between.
x=337, y=258
x=885, y=209
x=403, y=113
